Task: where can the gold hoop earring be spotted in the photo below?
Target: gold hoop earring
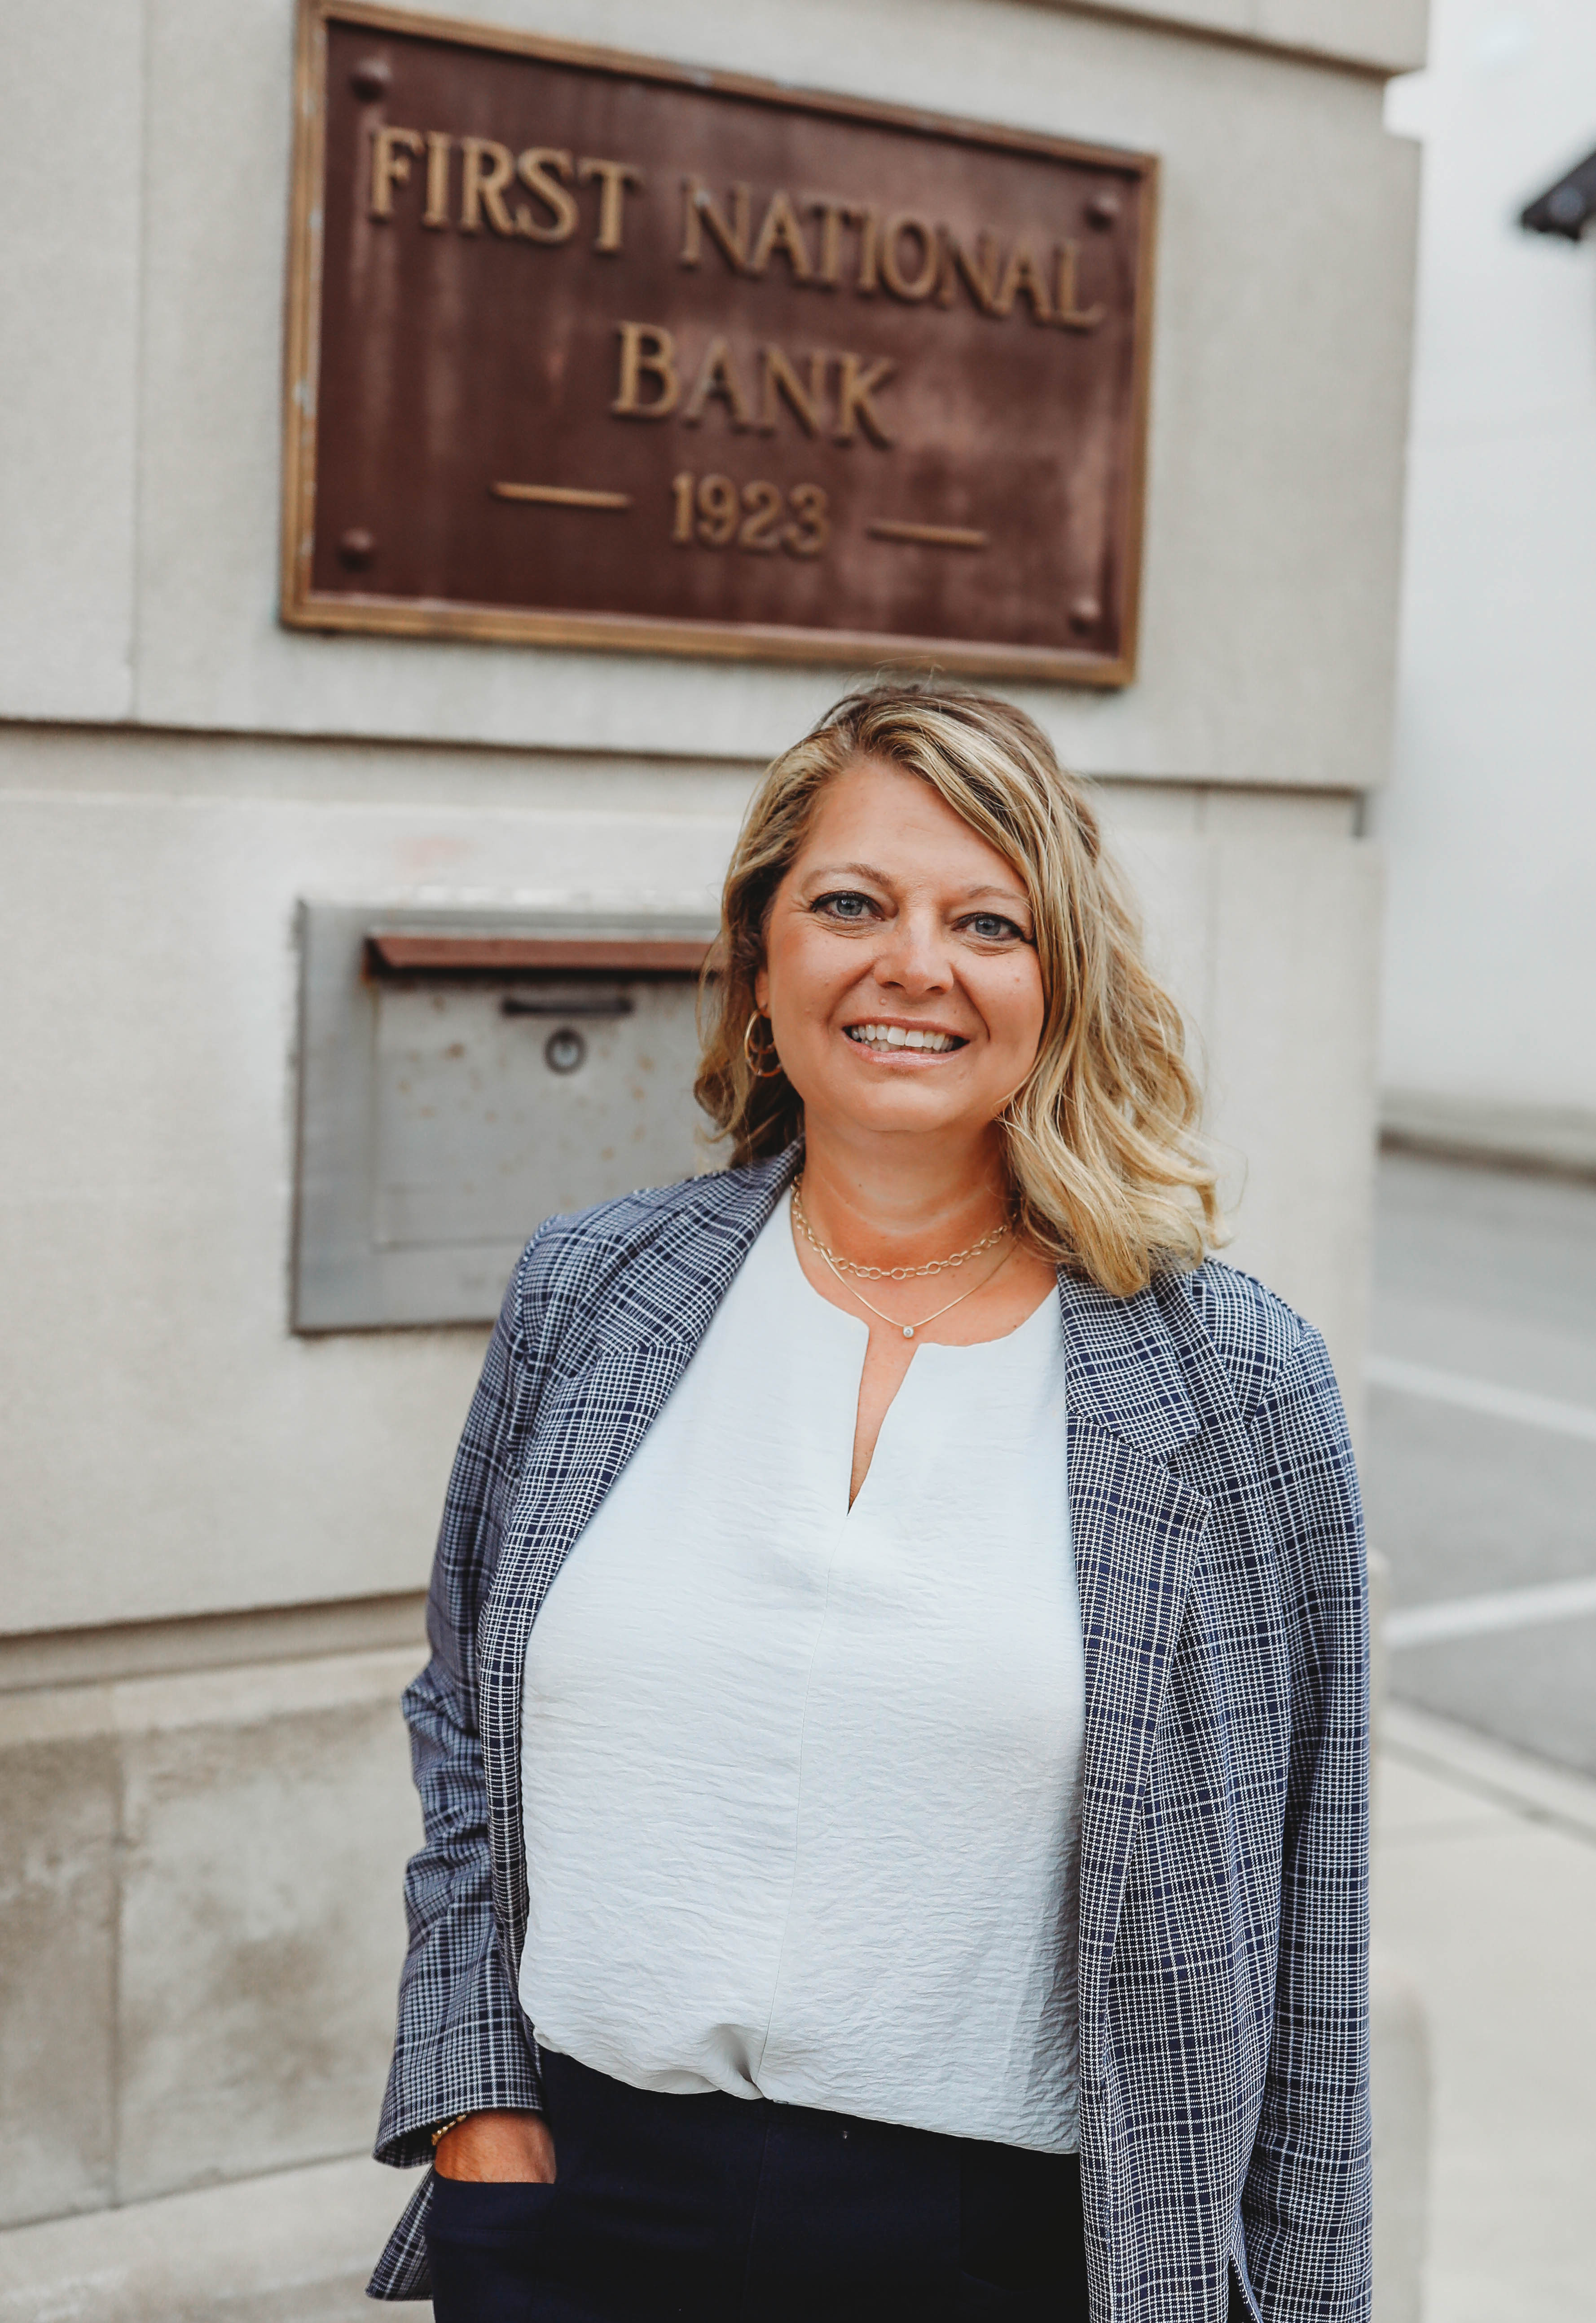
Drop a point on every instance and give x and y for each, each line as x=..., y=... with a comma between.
x=757, y=1065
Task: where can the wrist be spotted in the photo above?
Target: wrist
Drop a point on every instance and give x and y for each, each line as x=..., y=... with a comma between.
x=499, y=2145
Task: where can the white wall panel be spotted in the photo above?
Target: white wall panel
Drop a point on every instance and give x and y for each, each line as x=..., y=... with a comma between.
x=1491, y=820
x=71, y=81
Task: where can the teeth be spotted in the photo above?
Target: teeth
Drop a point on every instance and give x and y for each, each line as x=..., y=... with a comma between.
x=895, y=1036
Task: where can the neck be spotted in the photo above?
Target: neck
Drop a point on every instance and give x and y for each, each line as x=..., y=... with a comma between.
x=902, y=1201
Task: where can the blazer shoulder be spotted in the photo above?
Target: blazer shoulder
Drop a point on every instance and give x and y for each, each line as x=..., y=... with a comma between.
x=680, y=1231
x=625, y=1221
x=1255, y=1334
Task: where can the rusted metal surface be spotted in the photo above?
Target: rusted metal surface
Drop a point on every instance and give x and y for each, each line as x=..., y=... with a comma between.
x=400, y=953
x=590, y=349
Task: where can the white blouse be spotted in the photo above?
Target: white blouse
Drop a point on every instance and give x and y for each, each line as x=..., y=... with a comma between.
x=802, y=1781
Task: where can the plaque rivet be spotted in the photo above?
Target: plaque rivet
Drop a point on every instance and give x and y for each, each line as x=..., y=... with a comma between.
x=1085, y=613
x=564, y=1051
x=1103, y=210
x=356, y=548
x=370, y=77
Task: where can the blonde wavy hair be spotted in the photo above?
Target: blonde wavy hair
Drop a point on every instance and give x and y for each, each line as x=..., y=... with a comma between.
x=1102, y=1138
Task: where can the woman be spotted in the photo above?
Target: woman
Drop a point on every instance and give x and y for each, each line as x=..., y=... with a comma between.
x=894, y=1755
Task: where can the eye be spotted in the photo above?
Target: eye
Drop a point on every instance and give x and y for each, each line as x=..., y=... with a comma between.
x=846, y=904
x=991, y=927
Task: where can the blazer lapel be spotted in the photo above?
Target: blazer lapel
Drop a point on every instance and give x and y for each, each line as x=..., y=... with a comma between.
x=1137, y=1531
x=659, y=1302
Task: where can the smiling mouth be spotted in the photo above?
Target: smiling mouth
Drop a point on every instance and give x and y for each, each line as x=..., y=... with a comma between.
x=886, y=1040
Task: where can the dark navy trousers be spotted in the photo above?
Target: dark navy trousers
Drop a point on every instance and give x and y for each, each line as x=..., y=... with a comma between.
x=728, y=2209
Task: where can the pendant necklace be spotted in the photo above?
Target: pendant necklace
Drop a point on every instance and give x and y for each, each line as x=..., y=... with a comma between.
x=902, y=1273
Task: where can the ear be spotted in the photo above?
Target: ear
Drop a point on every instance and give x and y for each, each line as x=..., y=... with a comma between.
x=762, y=990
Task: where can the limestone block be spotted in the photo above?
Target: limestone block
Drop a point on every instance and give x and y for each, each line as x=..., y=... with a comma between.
x=200, y=1925
x=294, y=2248
x=73, y=83
x=1389, y=35
x=1260, y=913
x=1155, y=837
x=58, y=1829
x=268, y=1815
x=1290, y=1031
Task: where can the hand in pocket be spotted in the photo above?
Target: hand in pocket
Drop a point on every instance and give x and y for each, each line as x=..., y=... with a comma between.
x=500, y=2149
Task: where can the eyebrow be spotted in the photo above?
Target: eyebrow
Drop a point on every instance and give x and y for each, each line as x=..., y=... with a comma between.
x=870, y=871
x=1014, y=894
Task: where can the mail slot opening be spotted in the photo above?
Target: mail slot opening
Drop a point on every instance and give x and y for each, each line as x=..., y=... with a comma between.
x=565, y=1003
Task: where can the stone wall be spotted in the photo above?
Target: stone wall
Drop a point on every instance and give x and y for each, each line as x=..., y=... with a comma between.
x=216, y=1531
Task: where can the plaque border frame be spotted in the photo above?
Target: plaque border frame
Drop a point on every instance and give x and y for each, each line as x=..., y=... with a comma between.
x=302, y=607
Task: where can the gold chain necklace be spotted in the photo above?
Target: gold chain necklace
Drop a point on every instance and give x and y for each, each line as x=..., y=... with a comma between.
x=890, y=1273
x=901, y=1274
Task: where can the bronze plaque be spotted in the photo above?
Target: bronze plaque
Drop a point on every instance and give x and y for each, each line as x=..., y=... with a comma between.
x=588, y=349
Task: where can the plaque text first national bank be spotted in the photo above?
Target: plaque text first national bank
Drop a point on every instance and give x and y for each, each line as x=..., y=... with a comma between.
x=592, y=349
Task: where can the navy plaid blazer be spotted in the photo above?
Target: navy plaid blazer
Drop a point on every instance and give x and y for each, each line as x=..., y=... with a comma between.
x=1224, y=1889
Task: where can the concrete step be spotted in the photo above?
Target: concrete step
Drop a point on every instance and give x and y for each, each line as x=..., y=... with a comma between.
x=294, y=2248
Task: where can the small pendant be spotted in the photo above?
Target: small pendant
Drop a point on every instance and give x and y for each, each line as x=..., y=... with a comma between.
x=908, y=1330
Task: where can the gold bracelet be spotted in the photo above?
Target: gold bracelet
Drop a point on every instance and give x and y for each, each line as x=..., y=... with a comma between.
x=443, y=2129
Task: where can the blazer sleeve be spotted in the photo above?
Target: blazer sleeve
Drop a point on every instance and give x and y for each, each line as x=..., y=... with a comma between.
x=1307, y=2199
x=461, y=2045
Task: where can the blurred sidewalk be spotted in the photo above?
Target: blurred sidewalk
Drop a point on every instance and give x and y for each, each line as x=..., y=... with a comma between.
x=1485, y=1895
x=1485, y=1901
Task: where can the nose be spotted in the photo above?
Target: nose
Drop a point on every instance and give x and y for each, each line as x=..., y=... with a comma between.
x=913, y=958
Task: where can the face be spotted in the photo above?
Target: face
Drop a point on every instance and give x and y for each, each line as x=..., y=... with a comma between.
x=900, y=978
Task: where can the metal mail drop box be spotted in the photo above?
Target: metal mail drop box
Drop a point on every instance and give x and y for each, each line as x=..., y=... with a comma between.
x=464, y=1075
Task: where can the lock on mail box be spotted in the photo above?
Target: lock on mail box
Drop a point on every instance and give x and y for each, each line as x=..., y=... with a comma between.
x=464, y=1075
